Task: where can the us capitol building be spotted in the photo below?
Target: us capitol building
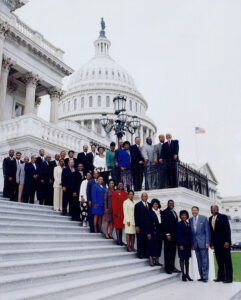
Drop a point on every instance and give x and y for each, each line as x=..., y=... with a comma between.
x=32, y=67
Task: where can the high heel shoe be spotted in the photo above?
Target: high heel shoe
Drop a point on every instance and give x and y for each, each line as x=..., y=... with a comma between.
x=184, y=278
x=189, y=278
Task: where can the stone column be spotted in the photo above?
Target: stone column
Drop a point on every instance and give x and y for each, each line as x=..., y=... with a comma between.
x=6, y=66
x=141, y=135
x=55, y=95
x=31, y=84
x=93, y=125
x=36, y=104
x=4, y=28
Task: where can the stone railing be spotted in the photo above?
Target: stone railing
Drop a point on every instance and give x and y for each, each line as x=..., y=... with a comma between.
x=37, y=37
x=39, y=129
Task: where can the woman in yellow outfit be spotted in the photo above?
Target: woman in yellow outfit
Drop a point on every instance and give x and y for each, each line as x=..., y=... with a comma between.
x=129, y=221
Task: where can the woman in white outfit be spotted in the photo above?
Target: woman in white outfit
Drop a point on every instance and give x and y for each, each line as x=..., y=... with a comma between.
x=83, y=200
x=58, y=193
x=100, y=164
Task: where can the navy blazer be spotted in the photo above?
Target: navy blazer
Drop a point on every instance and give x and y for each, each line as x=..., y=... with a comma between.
x=9, y=167
x=124, y=159
x=153, y=226
x=83, y=159
x=66, y=162
x=90, y=184
x=184, y=234
x=117, y=151
x=222, y=232
x=136, y=155
x=168, y=152
x=45, y=171
x=89, y=162
x=170, y=221
x=29, y=172
x=141, y=215
x=78, y=178
x=67, y=178
x=39, y=160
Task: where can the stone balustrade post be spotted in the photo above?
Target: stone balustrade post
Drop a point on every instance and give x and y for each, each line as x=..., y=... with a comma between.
x=31, y=81
x=55, y=95
x=4, y=28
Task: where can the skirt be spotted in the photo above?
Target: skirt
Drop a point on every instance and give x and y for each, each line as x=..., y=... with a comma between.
x=185, y=253
x=154, y=248
x=126, y=177
x=130, y=229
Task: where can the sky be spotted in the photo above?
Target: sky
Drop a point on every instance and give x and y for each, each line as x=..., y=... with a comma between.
x=184, y=57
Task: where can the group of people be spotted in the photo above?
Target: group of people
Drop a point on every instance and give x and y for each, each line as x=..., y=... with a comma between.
x=98, y=185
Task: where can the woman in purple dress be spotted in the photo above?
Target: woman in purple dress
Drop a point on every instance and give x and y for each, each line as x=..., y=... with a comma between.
x=108, y=210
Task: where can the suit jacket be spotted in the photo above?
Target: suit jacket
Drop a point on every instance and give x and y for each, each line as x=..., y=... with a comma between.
x=67, y=179
x=90, y=160
x=202, y=235
x=39, y=160
x=117, y=151
x=222, y=232
x=45, y=172
x=90, y=184
x=148, y=153
x=78, y=178
x=9, y=167
x=153, y=227
x=184, y=234
x=20, y=175
x=136, y=155
x=170, y=220
x=124, y=159
x=141, y=215
x=29, y=172
x=157, y=150
x=168, y=152
x=57, y=177
x=66, y=162
x=82, y=159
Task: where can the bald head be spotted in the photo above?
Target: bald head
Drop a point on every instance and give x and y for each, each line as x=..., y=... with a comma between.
x=168, y=136
x=161, y=138
x=144, y=197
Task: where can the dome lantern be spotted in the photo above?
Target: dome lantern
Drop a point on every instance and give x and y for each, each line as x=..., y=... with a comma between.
x=102, y=44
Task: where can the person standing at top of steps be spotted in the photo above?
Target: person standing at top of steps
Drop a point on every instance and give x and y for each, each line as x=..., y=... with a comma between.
x=90, y=184
x=46, y=181
x=67, y=186
x=170, y=220
x=7, y=174
x=31, y=180
x=20, y=178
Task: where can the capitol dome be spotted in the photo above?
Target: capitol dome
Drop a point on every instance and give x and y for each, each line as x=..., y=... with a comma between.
x=91, y=89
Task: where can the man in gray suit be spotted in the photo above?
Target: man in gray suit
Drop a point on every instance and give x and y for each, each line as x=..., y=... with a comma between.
x=201, y=242
x=157, y=156
x=20, y=177
x=150, y=173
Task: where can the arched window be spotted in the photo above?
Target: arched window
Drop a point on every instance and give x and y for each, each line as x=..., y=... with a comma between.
x=99, y=101
x=130, y=105
x=107, y=101
x=75, y=104
x=90, y=101
x=82, y=102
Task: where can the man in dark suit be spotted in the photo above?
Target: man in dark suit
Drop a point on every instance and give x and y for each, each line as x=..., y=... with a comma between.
x=31, y=180
x=54, y=163
x=90, y=158
x=137, y=164
x=46, y=182
x=221, y=242
x=169, y=158
x=161, y=184
x=71, y=156
x=40, y=158
x=118, y=170
x=82, y=157
x=8, y=174
x=141, y=211
x=14, y=165
x=170, y=220
x=78, y=178
x=90, y=184
x=67, y=186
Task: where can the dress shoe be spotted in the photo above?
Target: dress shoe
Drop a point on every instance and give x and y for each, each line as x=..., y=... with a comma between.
x=184, y=278
x=151, y=264
x=168, y=272
x=205, y=280
x=200, y=279
x=176, y=271
x=140, y=256
x=217, y=280
x=189, y=278
x=228, y=281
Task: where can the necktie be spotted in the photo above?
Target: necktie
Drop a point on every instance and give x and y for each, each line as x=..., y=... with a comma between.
x=195, y=224
x=213, y=222
x=169, y=144
x=147, y=207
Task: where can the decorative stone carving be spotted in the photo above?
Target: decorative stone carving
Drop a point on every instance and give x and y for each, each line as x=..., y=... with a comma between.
x=54, y=92
x=12, y=86
x=37, y=102
x=31, y=79
x=4, y=29
x=7, y=64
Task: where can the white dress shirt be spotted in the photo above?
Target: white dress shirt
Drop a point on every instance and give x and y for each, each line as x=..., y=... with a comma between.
x=100, y=162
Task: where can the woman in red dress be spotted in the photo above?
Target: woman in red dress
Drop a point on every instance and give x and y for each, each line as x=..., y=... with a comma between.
x=118, y=198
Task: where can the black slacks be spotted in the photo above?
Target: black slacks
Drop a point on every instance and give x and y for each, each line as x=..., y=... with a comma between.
x=29, y=192
x=137, y=174
x=141, y=243
x=224, y=261
x=67, y=199
x=75, y=208
x=170, y=254
x=170, y=173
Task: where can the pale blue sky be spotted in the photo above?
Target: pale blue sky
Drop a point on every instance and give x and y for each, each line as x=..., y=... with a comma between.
x=184, y=57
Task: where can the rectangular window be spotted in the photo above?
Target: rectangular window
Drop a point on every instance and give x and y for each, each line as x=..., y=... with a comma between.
x=75, y=104
x=136, y=107
x=99, y=101
x=107, y=101
x=130, y=104
x=82, y=102
x=68, y=105
x=90, y=101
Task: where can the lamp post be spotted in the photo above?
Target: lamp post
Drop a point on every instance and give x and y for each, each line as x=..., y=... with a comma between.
x=123, y=122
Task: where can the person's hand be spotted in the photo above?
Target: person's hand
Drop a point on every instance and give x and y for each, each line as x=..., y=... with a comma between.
x=146, y=161
x=116, y=164
x=10, y=178
x=128, y=223
x=137, y=229
x=175, y=156
x=226, y=245
x=82, y=199
x=89, y=203
x=160, y=160
x=64, y=189
x=100, y=168
x=35, y=176
x=169, y=238
x=155, y=161
x=42, y=181
x=181, y=248
x=141, y=162
x=211, y=246
x=193, y=247
x=149, y=236
x=207, y=246
x=122, y=169
x=17, y=182
x=110, y=169
x=95, y=206
x=74, y=194
x=106, y=211
x=50, y=181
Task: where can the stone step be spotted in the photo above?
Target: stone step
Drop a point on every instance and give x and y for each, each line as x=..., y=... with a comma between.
x=81, y=286
x=12, y=226
x=21, y=280
x=52, y=242
x=128, y=289
x=32, y=265
x=26, y=205
x=22, y=254
x=26, y=219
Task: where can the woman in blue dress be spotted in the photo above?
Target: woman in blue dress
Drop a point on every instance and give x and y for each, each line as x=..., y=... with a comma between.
x=97, y=194
x=184, y=243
